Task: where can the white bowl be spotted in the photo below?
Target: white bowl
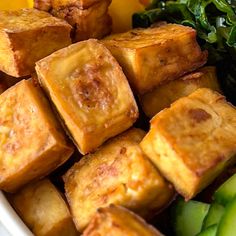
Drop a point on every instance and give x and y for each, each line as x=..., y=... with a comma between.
x=10, y=220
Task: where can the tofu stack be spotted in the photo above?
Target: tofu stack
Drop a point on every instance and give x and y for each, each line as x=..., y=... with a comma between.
x=84, y=94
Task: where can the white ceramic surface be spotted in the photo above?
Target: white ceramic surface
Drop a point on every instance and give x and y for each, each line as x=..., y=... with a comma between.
x=10, y=220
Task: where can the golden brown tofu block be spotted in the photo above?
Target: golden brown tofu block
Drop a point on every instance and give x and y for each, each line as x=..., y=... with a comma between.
x=162, y=96
x=43, y=209
x=28, y=35
x=82, y=4
x=43, y=5
x=90, y=92
x=152, y=56
x=118, y=173
x=92, y=22
x=32, y=143
x=193, y=141
x=118, y=221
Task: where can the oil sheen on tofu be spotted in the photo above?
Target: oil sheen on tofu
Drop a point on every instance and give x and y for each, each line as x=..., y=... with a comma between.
x=118, y=221
x=28, y=35
x=90, y=92
x=152, y=56
x=163, y=95
x=43, y=209
x=117, y=173
x=32, y=143
x=193, y=141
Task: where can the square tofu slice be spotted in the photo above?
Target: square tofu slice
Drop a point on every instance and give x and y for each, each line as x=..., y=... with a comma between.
x=90, y=92
x=118, y=221
x=163, y=95
x=28, y=35
x=43, y=209
x=193, y=141
x=152, y=56
x=93, y=22
x=32, y=143
x=118, y=173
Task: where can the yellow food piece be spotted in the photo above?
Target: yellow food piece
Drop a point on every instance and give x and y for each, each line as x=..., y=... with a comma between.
x=15, y=4
x=43, y=210
x=193, y=141
x=152, y=56
x=121, y=12
x=28, y=35
x=117, y=173
x=90, y=92
x=118, y=221
x=32, y=143
x=165, y=94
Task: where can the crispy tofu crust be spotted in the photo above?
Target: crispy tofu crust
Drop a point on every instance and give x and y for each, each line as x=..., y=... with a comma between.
x=32, y=143
x=193, y=141
x=152, y=56
x=165, y=94
x=118, y=221
x=43, y=210
x=28, y=35
x=118, y=173
x=90, y=92
x=93, y=22
x=43, y=5
x=81, y=4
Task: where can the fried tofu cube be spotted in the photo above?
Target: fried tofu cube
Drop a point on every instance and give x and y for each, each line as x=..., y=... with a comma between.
x=28, y=35
x=32, y=143
x=118, y=221
x=162, y=96
x=92, y=22
x=193, y=141
x=118, y=173
x=43, y=5
x=82, y=4
x=152, y=56
x=43, y=209
x=90, y=92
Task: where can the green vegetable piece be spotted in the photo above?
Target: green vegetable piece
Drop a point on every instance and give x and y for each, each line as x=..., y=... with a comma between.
x=188, y=217
x=213, y=216
x=210, y=231
x=227, y=225
x=226, y=192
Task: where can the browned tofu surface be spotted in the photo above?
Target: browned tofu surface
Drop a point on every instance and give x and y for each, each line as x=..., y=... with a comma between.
x=43, y=210
x=152, y=56
x=118, y=221
x=82, y=4
x=93, y=22
x=28, y=35
x=43, y=5
x=162, y=96
x=193, y=141
x=32, y=143
x=90, y=92
x=117, y=173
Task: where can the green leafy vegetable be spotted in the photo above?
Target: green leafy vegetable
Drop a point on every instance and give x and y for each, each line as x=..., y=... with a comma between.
x=215, y=23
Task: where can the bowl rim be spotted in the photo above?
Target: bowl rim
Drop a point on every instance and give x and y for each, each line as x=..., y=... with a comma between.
x=10, y=220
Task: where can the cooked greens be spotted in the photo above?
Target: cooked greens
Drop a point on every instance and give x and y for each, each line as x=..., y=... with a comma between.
x=215, y=22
